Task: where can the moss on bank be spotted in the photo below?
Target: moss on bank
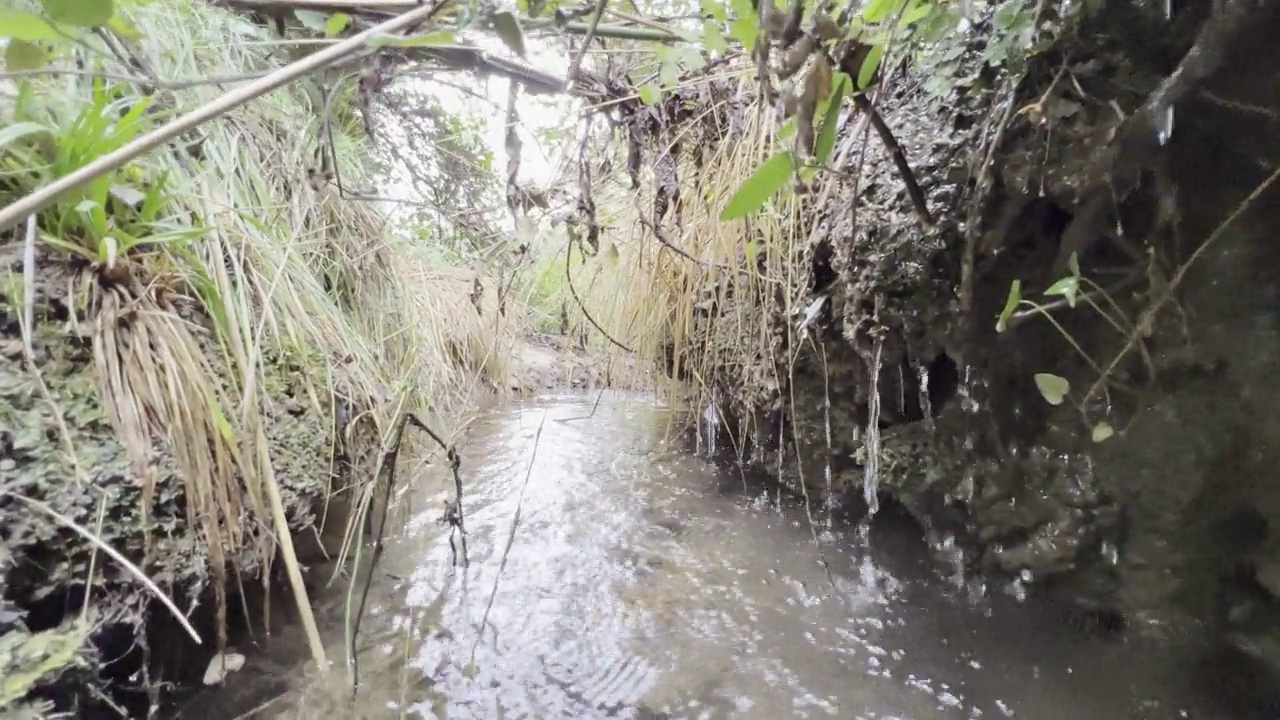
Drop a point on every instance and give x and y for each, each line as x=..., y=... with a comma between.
x=210, y=330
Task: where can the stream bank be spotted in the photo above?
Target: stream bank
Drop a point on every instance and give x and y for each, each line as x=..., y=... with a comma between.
x=1111, y=453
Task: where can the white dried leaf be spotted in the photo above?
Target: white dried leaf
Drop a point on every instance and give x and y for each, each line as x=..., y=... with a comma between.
x=222, y=665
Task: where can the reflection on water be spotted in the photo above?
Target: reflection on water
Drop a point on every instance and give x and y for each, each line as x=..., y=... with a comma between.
x=636, y=586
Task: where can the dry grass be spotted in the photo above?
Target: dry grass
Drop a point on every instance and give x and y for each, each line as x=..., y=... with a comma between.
x=651, y=299
x=185, y=333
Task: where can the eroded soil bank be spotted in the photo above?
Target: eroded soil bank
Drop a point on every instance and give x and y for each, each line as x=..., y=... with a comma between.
x=1133, y=478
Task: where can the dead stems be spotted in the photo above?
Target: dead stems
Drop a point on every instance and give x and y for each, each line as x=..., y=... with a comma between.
x=128, y=567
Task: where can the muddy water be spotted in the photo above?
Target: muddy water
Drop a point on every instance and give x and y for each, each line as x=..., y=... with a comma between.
x=642, y=582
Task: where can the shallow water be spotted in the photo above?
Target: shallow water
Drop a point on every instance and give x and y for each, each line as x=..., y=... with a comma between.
x=644, y=582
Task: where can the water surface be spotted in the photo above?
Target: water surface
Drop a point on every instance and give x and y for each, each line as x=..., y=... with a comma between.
x=643, y=582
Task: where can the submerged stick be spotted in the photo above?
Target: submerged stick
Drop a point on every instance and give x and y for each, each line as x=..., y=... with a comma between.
x=455, y=462
x=390, y=461
x=47, y=195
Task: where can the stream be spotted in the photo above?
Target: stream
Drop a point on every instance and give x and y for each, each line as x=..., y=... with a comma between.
x=644, y=582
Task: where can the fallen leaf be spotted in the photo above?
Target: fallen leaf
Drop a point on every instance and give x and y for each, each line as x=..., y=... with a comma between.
x=222, y=665
x=1102, y=431
x=1053, y=387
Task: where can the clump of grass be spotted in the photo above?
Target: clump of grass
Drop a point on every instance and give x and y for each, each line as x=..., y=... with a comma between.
x=192, y=271
x=720, y=320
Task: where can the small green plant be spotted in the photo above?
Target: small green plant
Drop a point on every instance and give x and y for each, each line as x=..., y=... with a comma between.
x=38, y=37
x=1053, y=388
x=115, y=214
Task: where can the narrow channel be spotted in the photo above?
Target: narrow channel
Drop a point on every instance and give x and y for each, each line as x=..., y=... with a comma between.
x=645, y=582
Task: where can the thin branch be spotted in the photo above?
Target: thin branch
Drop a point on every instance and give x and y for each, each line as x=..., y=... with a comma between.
x=29, y=291
x=899, y=158
x=568, y=278
x=1147, y=319
x=511, y=537
x=99, y=543
x=586, y=43
x=390, y=462
x=455, y=462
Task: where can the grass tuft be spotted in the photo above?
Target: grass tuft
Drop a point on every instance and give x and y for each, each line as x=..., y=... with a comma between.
x=245, y=324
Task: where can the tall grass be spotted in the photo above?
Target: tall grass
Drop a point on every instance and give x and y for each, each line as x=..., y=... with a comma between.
x=717, y=319
x=233, y=261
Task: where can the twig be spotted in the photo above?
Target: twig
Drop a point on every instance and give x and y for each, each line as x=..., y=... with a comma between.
x=665, y=239
x=116, y=159
x=899, y=158
x=390, y=462
x=1146, y=320
x=129, y=567
x=568, y=278
x=588, y=416
x=586, y=43
x=511, y=537
x=455, y=462
x=29, y=291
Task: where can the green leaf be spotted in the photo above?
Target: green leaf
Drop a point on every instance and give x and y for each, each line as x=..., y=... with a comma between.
x=1006, y=15
x=1053, y=387
x=714, y=9
x=787, y=129
x=877, y=10
x=763, y=183
x=22, y=55
x=650, y=94
x=669, y=75
x=509, y=31
x=121, y=26
x=870, y=64
x=25, y=26
x=20, y=130
x=939, y=26
x=1010, y=304
x=1102, y=431
x=312, y=19
x=712, y=39
x=336, y=23
x=915, y=12
x=443, y=37
x=830, y=120
x=1068, y=287
x=745, y=26
x=82, y=13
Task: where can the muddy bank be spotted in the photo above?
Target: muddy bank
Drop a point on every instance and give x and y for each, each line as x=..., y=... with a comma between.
x=60, y=448
x=544, y=362
x=1109, y=448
